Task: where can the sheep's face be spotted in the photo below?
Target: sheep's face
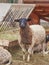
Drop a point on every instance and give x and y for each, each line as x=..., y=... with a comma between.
x=22, y=22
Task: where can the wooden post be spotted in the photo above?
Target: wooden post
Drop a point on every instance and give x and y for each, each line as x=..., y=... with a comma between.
x=20, y=1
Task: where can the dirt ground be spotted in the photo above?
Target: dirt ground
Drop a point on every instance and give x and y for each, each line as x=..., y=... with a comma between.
x=36, y=59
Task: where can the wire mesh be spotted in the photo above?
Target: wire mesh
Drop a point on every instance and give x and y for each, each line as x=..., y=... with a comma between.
x=15, y=12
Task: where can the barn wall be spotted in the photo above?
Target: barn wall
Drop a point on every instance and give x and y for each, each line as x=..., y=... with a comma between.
x=35, y=1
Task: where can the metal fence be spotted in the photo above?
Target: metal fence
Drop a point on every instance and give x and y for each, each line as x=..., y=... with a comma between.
x=15, y=12
x=8, y=22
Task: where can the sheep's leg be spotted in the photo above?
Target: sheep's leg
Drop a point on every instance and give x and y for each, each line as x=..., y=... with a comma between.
x=28, y=58
x=44, y=47
x=23, y=53
x=29, y=54
x=30, y=51
x=23, y=49
x=10, y=61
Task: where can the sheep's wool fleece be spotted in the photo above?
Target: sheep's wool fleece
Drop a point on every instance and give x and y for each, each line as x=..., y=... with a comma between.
x=4, y=55
x=38, y=33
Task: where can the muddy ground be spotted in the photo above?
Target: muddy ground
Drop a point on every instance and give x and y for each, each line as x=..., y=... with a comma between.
x=36, y=59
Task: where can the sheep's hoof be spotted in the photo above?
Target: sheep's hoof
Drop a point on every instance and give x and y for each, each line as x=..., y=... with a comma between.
x=46, y=53
x=28, y=59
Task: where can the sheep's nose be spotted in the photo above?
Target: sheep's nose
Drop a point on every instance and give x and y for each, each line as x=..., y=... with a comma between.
x=22, y=26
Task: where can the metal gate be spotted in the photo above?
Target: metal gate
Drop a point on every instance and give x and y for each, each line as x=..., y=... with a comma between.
x=15, y=11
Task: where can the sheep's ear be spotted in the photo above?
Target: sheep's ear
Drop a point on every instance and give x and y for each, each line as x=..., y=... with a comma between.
x=16, y=20
x=29, y=19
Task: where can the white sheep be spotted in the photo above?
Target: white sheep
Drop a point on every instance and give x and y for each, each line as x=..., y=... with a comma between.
x=5, y=57
x=30, y=36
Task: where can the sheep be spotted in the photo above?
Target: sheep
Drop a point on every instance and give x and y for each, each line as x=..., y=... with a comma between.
x=30, y=36
x=38, y=49
x=5, y=57
x=47, y=38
